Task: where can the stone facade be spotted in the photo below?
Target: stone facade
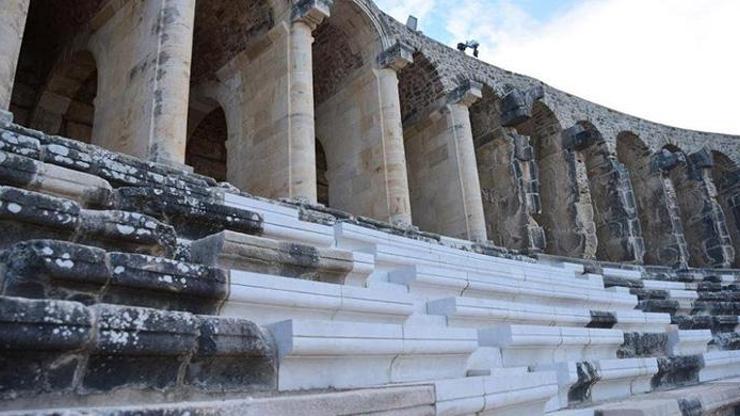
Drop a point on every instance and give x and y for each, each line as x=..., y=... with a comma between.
x=307, y=203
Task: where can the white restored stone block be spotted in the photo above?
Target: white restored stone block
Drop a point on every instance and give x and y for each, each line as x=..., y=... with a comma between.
x=266, y=299
x=692, y=342
x=319, y=354
x=510, y=394
x=622, y=378
x=524, y=345
x=719, y=365
x=638, y=321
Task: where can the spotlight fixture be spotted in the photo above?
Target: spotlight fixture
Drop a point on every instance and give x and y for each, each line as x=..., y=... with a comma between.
x=472, y=44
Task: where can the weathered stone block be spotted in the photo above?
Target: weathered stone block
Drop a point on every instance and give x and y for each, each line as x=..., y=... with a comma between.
x=232, y=354
x=191, y=216
x=127, y=231
x=516, y=106
x=39, y=344
x=139, y=348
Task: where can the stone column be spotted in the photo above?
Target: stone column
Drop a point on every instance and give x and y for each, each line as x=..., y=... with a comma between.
x=13, y=15
x=394, y=157
x=302, y=159
x=461, y=135
x=171, y=83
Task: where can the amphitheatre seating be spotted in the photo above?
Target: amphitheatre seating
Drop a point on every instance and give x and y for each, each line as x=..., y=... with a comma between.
x=184, y=288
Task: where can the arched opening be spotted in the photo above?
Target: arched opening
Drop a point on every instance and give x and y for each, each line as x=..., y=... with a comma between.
x=428, y=150
x=702, y=217
x=658, y=213
x=233, y=87
x=322, y=182
x=206, y=146
x=56, y=81
x=508, y=178
x=617, y=225
x=566, y=213
x=357, y=117
x=726, y=177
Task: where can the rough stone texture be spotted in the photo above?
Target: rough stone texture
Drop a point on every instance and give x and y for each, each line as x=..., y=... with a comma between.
x=28, y=215
x=49, y=269
x=509, y=179
x=656, y=207
x=67, y=350
x=191, y=216
x=703, y=220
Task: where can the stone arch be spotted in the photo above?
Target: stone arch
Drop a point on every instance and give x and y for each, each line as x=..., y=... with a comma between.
x=566, y=213
x=56, y=79
x=419, y=86
x=614, y=212
x=357, y=115
x=705, y=229
x=726, y=177
x=66, y=105
x=207, y=136
x=657, y=209
x=508, y=177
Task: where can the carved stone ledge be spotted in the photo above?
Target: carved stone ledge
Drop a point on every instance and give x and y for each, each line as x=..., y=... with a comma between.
x=397, y=56
x=516, y=106
x=311, y=12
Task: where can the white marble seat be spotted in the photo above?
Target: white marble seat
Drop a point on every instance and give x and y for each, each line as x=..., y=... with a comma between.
x=688, y=342
x=638, y=321
x=434, y=282
x=267, y=299
x=719, y=365
x=331, y=354
x=508, y=394
x=525, y=345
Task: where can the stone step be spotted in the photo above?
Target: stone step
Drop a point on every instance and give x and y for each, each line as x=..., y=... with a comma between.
x=594, y=381
x=232, y=250
x=88, y=190
x=526, y=345
x=31, y=215
x=192, y=216
x=507, y=395
x=434, y=282
x=720, y=397
x=479, y=313
x=268, y=299
x=324, y=354
x=118, y=169
x=61, y=351
x=717, y=323
x=406, y=400
x=726, y=341
x=50, y=269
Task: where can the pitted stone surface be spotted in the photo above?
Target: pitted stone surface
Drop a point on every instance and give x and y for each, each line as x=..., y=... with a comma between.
x=193, y=217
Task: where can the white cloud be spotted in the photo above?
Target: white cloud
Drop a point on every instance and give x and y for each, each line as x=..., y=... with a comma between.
x=671, y=61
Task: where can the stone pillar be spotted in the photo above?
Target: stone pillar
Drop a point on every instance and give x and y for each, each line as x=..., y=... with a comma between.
x=302, y=158
x=614, y=207
x=467, y=167
x=13, y=15
x=394, y=157
x=702, y=217
x=171, y=83
x=728, y=190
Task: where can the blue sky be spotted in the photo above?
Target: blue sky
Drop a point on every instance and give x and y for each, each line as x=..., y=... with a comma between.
x=670, y=61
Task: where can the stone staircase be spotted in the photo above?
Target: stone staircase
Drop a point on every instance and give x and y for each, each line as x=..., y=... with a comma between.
x=132, y=288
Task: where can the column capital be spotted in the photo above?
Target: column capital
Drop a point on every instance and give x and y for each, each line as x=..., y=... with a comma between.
x=580, y=138
x=311, y=12
x=664, y=160
x=466, y=94
x=397, y=56
x=517, y=105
